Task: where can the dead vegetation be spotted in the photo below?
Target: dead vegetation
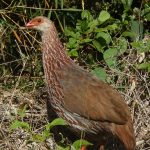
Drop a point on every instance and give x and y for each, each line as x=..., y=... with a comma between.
x=136, y=94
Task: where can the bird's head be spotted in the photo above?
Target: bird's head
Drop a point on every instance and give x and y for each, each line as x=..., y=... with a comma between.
x=39, y=23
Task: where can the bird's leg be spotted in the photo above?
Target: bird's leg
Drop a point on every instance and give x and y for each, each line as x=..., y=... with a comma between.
x=83, y=148
x=101, y=147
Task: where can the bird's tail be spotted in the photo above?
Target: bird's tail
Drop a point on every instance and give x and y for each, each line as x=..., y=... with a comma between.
x=125, y=133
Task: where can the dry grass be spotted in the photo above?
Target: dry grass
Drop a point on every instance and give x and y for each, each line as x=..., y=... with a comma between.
x=35, y=115
x=136, y=94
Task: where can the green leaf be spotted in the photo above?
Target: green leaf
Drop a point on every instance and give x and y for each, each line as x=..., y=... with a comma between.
x=129, y=34
x=21, y=111
x=70, y=32
x=112, y=27
x=147, y=16
x=137, y=28
x=127, y=4
x=92, y=26
x=101, y=30
x=46, y=134
x=97, y=45
x=146, y=13
x=100, y=73
x=73, y=53
x=78, y=25
x=56, y=122
x=86, y=15
x=110, y=57
x=122, y=45
x=103, y=16
x=73, y=43
x=38, y=138
x=84, y=25
x=145, y=65
x=19, y=124
x=86, y=40
x=105, y=36
x=141, y=46
x=79, y=143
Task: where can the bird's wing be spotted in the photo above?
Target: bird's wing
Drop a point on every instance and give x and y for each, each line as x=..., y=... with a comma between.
x=91, y=98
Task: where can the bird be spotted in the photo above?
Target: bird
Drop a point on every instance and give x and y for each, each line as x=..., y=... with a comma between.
x=91, y=107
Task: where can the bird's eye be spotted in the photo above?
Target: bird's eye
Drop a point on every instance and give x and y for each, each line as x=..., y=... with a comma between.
x=39, y=20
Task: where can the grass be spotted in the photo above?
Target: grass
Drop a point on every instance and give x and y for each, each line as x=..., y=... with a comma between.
x=22, y=79
x=14, y=98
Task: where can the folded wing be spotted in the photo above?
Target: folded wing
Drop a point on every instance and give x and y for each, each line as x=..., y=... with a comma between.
x=91, y=98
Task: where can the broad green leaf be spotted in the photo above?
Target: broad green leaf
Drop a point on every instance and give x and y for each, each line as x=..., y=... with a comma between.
x=105, y=36
x=122, y=45
x=110, y=57
x=97, y=45
x=111, y=52
x=38, y=138
x=86, y=15
x=129, y=34
x=147, y=16
x=127, y=4
x=19, y=124
x=141, y=46
x=79, y=143
x=103, y=16
x=86, y=40
x=145, y=65
x=100, y=73
x=101, y=30
x=73, y=53
x=92, y=26
x=56, y=122
x=111, y=62
x=46, y=133
x=78, y=25
x=72, y=43
x=146, y=13
x=112, y=27
x=84, y=26
x=70, y=32
x=137, y=28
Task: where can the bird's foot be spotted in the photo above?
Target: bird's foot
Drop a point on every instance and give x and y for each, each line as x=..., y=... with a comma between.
x=83, y=148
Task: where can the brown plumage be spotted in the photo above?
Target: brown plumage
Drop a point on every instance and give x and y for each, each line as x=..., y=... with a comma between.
x=89, y=105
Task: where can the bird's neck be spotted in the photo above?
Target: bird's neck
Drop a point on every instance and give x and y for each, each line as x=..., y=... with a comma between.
x=54, y=60
x=53, y=51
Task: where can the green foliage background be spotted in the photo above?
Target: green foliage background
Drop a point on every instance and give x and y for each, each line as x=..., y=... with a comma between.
x=97, y=34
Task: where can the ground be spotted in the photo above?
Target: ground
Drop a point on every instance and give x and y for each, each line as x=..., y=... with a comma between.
x=36, y=115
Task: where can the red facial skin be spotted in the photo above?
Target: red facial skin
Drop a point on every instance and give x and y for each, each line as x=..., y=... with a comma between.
x=34, y=22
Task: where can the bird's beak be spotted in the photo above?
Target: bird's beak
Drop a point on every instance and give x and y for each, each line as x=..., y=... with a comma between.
x=29, y=24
